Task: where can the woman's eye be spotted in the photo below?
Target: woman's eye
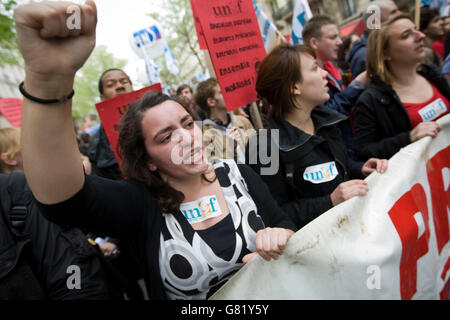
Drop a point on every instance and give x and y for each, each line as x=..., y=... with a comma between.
x=405, y=35
x=190, y=124
x=166, y=139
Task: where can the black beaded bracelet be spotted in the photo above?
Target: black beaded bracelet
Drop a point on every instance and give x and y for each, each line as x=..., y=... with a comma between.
x=44, y=101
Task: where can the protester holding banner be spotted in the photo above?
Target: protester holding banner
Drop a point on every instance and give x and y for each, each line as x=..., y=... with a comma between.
x=227, y=213
x=402, y=101
x=314, y=168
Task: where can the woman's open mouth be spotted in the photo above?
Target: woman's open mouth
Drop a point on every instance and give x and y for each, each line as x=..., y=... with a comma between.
x=195, y=156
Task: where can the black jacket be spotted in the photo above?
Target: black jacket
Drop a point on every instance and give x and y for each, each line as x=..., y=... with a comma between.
x=302, y=200
x=343, y=101
x=35, y=259
x=101, y=155
x=127, y=209
x=357, y=56
x=381, y=122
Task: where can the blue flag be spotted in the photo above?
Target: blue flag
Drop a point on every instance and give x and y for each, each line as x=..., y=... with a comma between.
x=152, y=71
x=302, y=13
x=171, y=62
x=267, y=28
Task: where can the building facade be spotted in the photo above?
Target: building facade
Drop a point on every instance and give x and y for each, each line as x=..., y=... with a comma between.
x=344, y=11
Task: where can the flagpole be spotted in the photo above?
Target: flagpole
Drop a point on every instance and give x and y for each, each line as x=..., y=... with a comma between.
x=209, y=63
x=417, y=14
x=280, y=35
x=147, y=65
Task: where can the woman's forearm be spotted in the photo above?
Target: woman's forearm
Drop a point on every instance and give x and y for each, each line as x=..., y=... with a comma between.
x=52, y=162
x=52, y=53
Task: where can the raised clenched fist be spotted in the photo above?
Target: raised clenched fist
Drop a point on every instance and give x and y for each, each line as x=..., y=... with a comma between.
x=55, y=38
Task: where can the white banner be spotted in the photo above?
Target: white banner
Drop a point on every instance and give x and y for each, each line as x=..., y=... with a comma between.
x=392, y=243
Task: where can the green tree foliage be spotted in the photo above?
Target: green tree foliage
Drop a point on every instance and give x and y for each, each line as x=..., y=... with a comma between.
x=8, y=46
x=178, y=28
x=86, y=81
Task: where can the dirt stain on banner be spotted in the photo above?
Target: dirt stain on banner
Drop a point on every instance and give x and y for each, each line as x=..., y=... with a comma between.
x=342, y=221
x=308, y=246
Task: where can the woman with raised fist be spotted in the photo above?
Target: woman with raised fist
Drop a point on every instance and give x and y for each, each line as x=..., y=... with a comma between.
x=193, y=224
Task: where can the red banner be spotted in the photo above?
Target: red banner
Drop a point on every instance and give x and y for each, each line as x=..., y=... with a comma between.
x=111, y=111
x=11, y=109
x=198, y=28
x=234, y=41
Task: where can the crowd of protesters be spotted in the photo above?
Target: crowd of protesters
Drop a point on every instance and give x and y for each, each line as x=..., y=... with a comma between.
x=192, y=199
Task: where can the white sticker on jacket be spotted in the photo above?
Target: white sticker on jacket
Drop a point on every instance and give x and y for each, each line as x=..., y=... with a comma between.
x=200, y=210
x=433, y=110
x=321, y=173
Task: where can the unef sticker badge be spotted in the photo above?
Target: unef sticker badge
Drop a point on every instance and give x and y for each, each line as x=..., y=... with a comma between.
x=200, y=210
x=321, y=173
x=433, y=110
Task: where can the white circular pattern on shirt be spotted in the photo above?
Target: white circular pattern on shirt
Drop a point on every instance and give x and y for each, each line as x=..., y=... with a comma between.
x=206, y=265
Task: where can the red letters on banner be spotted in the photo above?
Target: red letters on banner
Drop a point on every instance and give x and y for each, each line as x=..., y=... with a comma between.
x=198, y=28
x=234, y=42
x=111, y=111
x=445, y=293
x=440, y=197
x=402, y=216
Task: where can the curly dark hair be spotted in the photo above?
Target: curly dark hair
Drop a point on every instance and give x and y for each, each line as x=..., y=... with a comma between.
x=134, y=156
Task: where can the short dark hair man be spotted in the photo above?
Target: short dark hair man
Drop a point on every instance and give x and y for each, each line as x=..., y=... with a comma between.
x=111, y=83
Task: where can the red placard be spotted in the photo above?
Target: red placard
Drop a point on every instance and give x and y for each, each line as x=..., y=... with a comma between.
x=111, y=111
x=11, y=109
x=234, y=41
x=198, y=28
